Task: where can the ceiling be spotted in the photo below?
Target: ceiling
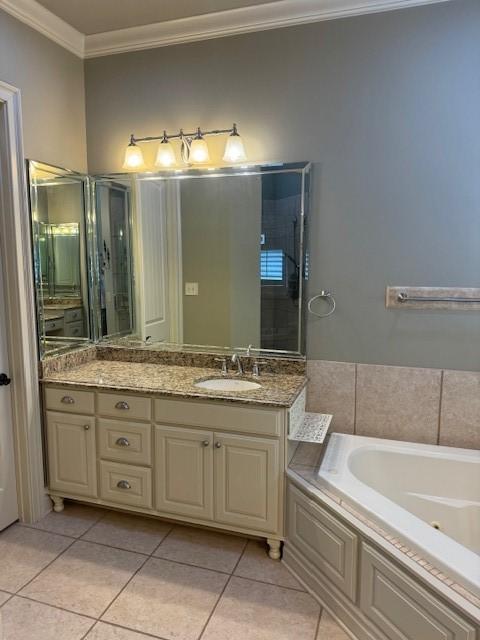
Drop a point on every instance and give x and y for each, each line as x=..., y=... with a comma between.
x=98, y=16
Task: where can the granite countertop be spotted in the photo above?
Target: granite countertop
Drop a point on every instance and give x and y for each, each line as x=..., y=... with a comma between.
x=277, y=390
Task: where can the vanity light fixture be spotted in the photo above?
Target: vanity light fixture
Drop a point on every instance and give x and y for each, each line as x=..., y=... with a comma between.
x=199, y=149
x=133, y=156
x=194, y=148
x=234, y=149
x=165, y=154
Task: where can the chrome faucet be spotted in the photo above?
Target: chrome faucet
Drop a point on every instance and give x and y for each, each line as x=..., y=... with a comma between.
x=237, y=360
x=223, y=362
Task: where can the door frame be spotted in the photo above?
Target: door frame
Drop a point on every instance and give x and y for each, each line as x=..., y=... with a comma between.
x=15, y=244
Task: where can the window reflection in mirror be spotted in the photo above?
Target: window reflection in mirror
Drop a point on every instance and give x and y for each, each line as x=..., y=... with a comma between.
x=57, y=199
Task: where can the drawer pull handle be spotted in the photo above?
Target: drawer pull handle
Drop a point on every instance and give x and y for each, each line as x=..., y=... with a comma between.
x=122, y=405
x=67, y=400
x=218, y=445
x=123, y=484
x=205, y=443
x=86, y=427
x=122, y=442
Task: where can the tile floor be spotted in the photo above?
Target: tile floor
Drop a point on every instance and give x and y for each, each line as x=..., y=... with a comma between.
x=93, y=574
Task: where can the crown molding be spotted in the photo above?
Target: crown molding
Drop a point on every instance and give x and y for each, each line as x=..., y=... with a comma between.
x=283, y=13
x=36, y=16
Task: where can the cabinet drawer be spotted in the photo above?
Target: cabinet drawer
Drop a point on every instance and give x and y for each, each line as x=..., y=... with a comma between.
x=126, y=484
x=53, y=325
x=73, y=315
x=124, y=406
x=215, y=416
x=125, y=441
x=74, y=329
x=403, y=609
x=326, y=543
x=69, y=400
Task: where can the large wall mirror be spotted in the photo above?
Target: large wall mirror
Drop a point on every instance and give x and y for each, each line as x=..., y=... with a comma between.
x=216, y=257
x=58, y=200
x=198, y=258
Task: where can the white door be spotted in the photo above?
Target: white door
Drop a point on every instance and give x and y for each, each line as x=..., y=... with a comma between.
x=159, y=262
x=8, y=488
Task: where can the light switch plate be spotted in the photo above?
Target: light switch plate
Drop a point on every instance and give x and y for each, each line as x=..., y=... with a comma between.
x=191, y=288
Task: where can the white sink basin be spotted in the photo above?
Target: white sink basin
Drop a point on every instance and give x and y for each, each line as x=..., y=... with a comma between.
x=227, y=384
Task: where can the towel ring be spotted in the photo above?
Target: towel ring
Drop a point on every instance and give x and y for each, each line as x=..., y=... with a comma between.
x=323, y=295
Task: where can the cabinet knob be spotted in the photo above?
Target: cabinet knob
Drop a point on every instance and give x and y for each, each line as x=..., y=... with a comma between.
x=123, y=484
x=86, y=427
x=122, y=405
x=122, y=442
x=218, y=445
x=67, y=400
x=205, y=443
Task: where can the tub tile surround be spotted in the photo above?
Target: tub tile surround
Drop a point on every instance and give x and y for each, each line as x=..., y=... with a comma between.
x=430, y=406
x=136, y=596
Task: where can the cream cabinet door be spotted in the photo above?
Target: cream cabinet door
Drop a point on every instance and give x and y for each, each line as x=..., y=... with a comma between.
x=184, y=471
x=247, y=481
x=71, y=454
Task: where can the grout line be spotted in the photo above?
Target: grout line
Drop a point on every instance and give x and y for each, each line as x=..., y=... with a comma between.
x=56, y=606
x=440, y=402
x=10, y=596
x=121, y=626
x=317, y=630
x=223, y=591
x=88, y=630
x=163, y=540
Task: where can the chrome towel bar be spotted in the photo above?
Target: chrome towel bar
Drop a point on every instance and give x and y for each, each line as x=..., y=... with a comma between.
x=404, y=297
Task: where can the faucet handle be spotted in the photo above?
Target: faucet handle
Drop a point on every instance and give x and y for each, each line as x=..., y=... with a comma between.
x=223, y=362
x=256, y=367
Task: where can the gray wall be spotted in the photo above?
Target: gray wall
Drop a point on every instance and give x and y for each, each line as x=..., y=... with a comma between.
x=387, y=107
x=51, y=80
x=220, y=251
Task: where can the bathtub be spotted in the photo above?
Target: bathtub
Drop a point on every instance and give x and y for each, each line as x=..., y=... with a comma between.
x=427, y=496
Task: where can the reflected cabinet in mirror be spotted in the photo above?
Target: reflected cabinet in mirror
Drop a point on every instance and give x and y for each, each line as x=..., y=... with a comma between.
x=58, y=201
x=217, y=256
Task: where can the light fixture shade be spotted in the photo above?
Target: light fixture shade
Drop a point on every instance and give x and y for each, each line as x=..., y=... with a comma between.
x=133, y=157
x=199, y=151
x=234, y=149
x=165, y=155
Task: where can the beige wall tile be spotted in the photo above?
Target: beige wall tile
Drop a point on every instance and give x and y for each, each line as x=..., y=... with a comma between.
x=460, y=411
x=400, y=403
x=331, y=389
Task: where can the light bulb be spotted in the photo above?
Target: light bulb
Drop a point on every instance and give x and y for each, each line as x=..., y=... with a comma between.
x=133, y=157
x=165, y=154
x=234, y=149
x=199, y=150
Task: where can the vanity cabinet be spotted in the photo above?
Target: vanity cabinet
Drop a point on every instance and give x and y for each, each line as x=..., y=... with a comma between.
x=247, y=481
x=207, y=462
x=184, y=471
x=72, y=453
